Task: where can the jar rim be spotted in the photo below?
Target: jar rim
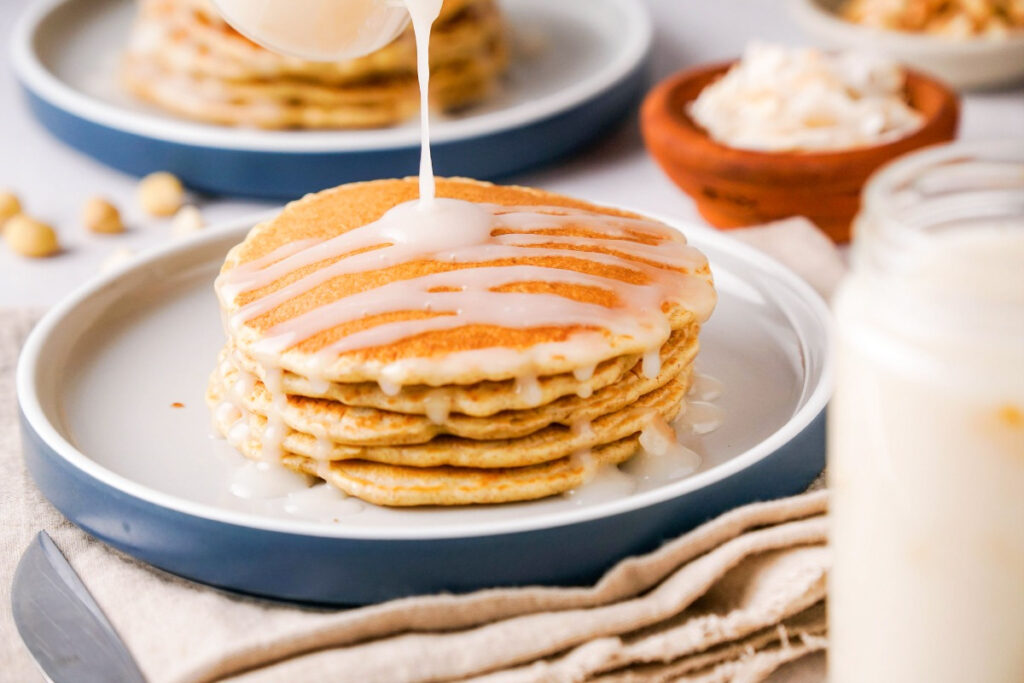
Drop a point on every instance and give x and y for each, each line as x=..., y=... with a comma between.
x=881, y=186
x=932, y=234
x=888, y=194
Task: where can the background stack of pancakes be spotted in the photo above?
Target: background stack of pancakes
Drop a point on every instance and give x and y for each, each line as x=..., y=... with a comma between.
x=462, y=433
x=184, y=58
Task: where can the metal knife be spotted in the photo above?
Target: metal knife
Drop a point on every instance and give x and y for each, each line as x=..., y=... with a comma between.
x=61, y=624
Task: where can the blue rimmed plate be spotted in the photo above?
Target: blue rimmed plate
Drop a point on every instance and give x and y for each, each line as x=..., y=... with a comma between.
x=99, y=376
x=584, y=70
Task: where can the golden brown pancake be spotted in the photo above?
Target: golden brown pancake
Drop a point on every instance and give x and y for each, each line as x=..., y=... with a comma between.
x=550, y=443
x=476, y=400
x=400, y=486
x=272, y=105
x=172, y=34
x=185, y=59
x=333, y=212
x=362, y=426
x=405, y=487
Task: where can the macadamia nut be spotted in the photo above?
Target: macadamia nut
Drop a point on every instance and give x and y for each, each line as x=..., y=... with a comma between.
x=29, y=237
x=161, y=194
x=100, y=216
x=187, y=221
x=9, y=206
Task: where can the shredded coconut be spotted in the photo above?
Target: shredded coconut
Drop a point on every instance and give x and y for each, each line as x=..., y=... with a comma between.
x=802, y=99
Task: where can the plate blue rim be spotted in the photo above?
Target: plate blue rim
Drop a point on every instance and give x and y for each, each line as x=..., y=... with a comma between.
x=260, y=164
x=288, y=561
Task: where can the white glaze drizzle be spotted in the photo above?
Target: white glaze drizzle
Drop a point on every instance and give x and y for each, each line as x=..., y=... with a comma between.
x=473, y=303
x=230, y=288
x=397, y=238
x=324, y=446
x=582, y=428
x=227, y=412
x=676, y=463
x=584, y=458
x=437, y=407
x=702, y=417
x=261, y=480
x=528, y=388
x=423, y=14
x=604, y=482
x=661, y=457
x=657, y=436
x=243, y=386
x=319, y=386
x=394, y=236
x=705, y=387
x=584, y=373
x=321, y=503
x=238, y=433
x=650, y=366
x=472, y=300
x=388, y=387
x=274, y=433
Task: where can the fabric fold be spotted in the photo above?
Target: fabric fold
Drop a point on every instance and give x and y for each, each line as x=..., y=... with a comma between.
x=448, y=656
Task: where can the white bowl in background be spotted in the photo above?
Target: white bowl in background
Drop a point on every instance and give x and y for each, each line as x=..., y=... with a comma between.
x=965, y=64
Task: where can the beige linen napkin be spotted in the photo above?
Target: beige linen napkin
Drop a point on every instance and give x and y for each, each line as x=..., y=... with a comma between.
x=799, y=244
x=731, y=601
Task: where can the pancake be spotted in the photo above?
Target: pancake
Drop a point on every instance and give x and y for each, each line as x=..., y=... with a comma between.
x=620, y=253
x=182, y=40
x=476, y=400
x=550, y=443
x=399, y=486
x=359, y=426
x=406, y=487
x=275, y=104
x=183, y=58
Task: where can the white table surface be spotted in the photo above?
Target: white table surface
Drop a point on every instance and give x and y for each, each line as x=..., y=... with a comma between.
x=53, y=180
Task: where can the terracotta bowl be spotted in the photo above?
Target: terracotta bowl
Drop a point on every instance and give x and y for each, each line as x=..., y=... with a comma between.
x=738, y=187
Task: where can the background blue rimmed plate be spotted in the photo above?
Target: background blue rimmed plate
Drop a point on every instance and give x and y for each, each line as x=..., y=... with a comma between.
x=584, y=69
x=98, y=377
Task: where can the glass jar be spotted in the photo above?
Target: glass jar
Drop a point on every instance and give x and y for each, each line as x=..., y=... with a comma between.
x=926, y=429
x=317, y=30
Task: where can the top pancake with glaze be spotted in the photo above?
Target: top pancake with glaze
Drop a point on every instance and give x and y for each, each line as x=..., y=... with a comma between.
x=590, y=257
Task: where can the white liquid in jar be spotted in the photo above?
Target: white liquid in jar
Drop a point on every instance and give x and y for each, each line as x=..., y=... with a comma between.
x=926, y=467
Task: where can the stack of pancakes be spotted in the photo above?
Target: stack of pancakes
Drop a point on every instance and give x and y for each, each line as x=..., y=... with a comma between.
x=482, y=413
x=184, y=58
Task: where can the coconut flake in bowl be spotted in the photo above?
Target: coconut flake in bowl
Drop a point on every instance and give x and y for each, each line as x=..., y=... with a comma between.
x=778, y=98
